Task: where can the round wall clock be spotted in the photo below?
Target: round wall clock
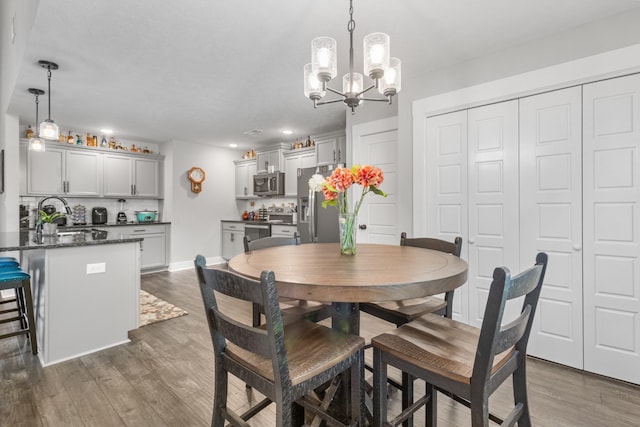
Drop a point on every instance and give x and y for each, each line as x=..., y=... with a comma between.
x=196, y=175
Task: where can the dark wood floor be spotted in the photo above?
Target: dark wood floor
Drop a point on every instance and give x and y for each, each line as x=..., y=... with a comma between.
x=164, y=377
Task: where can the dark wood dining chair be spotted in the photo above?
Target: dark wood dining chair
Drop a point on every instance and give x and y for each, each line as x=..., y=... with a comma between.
x=404, y=311
x=292, y=308
x=284, y=362
x=462, y=361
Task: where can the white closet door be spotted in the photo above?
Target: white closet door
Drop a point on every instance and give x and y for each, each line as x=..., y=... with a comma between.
x=376, y=143
x=493, y=200
x=551, y=218
x=612, y=228
x=447, y=206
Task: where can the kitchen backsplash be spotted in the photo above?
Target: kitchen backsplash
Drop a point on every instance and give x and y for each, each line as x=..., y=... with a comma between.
x=112, y=205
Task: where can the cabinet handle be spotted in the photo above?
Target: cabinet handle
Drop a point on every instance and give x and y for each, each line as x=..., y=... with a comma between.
x=232, y=237
x=135, y=190
x=334, y=156
x=139, y=231
x=339, y=154
x=266, y=165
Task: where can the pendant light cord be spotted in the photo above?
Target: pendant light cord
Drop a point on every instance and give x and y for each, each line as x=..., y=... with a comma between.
x=351, y=25
x=37, y=102
x=49, y=97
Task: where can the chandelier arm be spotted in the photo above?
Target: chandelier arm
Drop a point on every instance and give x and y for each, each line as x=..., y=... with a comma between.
x=375, y=99
x=336, y=92
x=366, y=90
x=333, y=101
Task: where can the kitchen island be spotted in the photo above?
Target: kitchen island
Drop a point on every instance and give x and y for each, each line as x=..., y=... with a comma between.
x=85, y=285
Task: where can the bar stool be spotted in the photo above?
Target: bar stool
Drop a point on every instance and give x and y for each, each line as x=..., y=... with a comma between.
x=12, y=277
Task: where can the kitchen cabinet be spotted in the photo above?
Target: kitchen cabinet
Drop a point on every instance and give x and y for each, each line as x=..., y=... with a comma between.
x=72, y=170
x=155, y=246
x=293, y=160
x=331, y=150
x=63, y=171
x=265, y=159
x=281, y=230
x=232, y=239
x=245, y=170
x=126, y=176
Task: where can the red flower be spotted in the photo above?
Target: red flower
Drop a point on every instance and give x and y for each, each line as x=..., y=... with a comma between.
x=369, y=176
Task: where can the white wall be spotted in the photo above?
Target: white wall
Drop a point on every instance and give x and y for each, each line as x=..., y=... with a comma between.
x=195, y=218
x=590, y=39
x=19, y=15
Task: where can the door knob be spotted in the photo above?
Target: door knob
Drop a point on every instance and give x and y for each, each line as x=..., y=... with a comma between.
x=362, y=226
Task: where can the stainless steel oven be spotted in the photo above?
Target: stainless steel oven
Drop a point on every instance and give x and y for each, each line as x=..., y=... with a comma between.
x=257, y=231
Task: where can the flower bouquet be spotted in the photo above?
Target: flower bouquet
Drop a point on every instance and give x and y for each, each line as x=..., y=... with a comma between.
x=335, y=187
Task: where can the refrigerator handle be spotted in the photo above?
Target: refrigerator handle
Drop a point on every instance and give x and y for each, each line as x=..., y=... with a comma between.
x=311, y=215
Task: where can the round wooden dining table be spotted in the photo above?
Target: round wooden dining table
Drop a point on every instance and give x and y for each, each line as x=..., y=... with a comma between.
x=318, y=272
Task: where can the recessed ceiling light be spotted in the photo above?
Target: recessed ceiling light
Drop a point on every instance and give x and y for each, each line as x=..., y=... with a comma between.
x=233, y=145
x=287, y=132
x=107, y=131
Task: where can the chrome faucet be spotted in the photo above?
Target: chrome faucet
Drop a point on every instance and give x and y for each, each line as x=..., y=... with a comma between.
x=64, y=202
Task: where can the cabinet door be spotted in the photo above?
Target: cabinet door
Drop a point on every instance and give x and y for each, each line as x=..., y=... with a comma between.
x=244, y=179
x=326, y=153
x=251, y=171
x=118, y=176
x=83, y=173
x=232, y=240
x=341, y=149
x=493, y=201
x=551, y=218
x=146, y=178
x=291, y=165
x=45, y=171
x=611, y=141
x=153, y=250
x=283, y=230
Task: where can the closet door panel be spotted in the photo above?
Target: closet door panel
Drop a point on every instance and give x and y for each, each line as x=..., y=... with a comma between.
x=551, y=218
x=447, y=188
x=612, y=228
x=493, y=200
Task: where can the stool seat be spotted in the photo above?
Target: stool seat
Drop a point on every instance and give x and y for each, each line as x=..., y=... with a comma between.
x=8, y=258
x=9, y=263
x=12, y=276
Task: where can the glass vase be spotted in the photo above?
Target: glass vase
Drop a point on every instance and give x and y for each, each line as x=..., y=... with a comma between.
x=348, y=227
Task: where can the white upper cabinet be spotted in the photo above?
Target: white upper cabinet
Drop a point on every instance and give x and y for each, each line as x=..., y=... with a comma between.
x=293, y=161
x=269, y=159
x=331, y=150
x=63, y=171
x=126, y=176
x=245, y=170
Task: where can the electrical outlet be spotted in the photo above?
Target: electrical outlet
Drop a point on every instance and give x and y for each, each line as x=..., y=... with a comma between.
x=100, y=267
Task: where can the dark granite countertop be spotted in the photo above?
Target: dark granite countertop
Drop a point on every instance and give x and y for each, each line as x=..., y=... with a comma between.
x=28, y=240
x=272, y=222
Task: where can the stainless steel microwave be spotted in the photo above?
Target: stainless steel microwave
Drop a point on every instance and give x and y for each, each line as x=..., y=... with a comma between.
x=268, y=184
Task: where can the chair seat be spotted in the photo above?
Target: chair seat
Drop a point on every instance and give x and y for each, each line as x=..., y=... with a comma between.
x=302, y=339
x=439, y=345
x=406, y=310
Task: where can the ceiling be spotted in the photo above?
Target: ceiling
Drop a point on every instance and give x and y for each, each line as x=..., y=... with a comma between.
x=208, y=71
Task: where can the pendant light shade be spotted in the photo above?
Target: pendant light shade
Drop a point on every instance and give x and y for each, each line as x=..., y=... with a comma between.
x=48, y=128
x=36, y=143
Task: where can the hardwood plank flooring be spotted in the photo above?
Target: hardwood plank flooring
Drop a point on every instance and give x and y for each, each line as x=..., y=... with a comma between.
x=164, y=377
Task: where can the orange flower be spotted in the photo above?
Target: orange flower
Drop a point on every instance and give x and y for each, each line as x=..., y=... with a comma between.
x=341, y=179
x=328, y=194
x=368, y=175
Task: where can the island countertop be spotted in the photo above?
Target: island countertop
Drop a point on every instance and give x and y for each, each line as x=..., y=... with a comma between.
x=29, y=240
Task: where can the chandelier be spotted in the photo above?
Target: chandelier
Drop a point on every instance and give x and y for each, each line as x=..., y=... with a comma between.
x=378, y=65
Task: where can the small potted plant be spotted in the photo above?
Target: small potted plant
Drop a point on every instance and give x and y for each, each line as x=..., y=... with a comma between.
x=49, y=227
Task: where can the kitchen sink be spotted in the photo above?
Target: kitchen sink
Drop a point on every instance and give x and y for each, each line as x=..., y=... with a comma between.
x=73, y=232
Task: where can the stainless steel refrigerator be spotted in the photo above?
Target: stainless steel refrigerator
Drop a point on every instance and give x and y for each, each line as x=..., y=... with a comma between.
x=315, y=223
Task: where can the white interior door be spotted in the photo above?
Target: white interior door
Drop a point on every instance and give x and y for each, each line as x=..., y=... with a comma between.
x=376, y=144
x=446, y=216
x=612, y=228
x=493, y=200
x=551, y=218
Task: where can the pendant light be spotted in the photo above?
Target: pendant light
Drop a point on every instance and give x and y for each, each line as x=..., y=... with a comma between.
x=35, y=142
x=384, y=70
x=48, y=128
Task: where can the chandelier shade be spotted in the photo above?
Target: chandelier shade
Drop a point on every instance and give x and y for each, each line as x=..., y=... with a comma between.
x=378, y=65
